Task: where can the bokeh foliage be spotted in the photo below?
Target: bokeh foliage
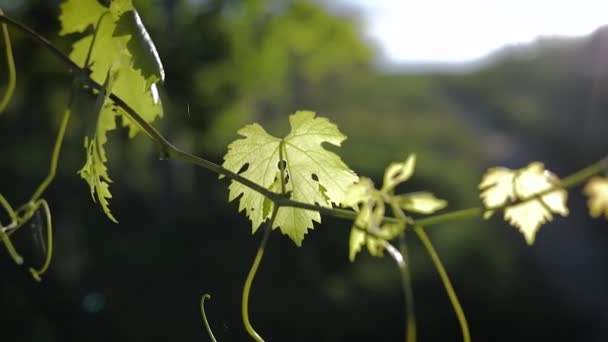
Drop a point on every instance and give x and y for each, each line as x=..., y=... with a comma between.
x=229, y=63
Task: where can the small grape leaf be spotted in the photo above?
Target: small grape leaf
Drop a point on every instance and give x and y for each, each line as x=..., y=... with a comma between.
x=421, y=202
x=501, y=186
x=397, y=173
x=368, y=228
x=597, y=190
x=368, y=201
x=94, y=171
x=315, y=175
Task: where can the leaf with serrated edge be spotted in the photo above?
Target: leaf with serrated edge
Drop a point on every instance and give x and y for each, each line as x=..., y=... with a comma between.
x=501, y=186
x=497, y=187
x=94, y=171
x=597, y=190
x=310, y=168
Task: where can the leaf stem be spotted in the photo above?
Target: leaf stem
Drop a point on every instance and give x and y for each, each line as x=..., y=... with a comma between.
x=36, y=273
x=406, y=280
x=10, y=63
x=9, y=210
x=462, y=321
x=251, y=275
x=207, y=327
x=408, y=291
x=54, y=157
x=18, y=259
x=400, y=255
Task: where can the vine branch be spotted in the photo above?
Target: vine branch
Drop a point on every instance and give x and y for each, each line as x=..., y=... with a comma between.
x=169, y=151
x=10, y=62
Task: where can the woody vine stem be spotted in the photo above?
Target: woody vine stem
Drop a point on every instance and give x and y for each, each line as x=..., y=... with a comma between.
x=168, y=151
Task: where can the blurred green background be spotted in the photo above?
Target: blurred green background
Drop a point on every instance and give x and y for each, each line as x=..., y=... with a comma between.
x=230, y=63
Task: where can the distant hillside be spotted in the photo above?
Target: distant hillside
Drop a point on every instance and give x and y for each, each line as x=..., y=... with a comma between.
x=549, y=95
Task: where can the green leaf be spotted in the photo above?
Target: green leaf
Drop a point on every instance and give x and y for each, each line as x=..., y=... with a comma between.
x=94, y=171
x=369, y=202
x=131, y=87
x=397, y=173
x=141, y=47
x=501, y=186
x=78, y=15
x=314, y=175
x=355, y=242
x=111, y=51
x=119, y=7
x=597, y=190
x=369, y=228
x=421, y=202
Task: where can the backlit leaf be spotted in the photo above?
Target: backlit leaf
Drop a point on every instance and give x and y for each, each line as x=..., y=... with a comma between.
x=77, y=15
x=94, y=171
x=112, y=49
x=140, y=45
x=369, y=228
x=502, y=186
x=125, y=60
x=368, y=201
x=397, y=173
x=421, y=202
x=313, y=174
x=597, y=190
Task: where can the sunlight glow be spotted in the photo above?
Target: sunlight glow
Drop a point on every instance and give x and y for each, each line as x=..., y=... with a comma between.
x=464, y=30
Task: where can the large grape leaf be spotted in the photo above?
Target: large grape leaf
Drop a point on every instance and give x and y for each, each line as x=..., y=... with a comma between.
x=501, y=186
x=118, y=45
x=313, y=174
x=597, y=190
x=119, y=50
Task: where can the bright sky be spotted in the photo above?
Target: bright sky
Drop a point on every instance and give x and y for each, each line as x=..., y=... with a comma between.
x=462, y=30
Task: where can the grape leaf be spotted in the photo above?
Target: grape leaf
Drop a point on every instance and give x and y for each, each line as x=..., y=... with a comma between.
x=121, y=57
x=141, y=47
x=313, y=174
x=501, y=186
x=597, y=190
x=397, y=173
x=78, y=15
x=370, y=204
x=113, y=49
x=421, y=202
x=94, y=171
